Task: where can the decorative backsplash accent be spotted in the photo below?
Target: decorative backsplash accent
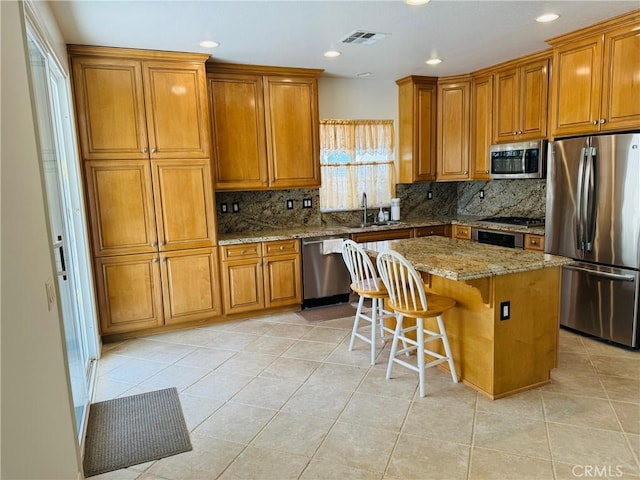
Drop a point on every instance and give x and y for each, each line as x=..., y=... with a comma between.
x=521, y=198
x=266, y=210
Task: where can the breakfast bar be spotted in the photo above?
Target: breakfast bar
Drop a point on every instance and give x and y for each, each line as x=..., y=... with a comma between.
x=504, y=329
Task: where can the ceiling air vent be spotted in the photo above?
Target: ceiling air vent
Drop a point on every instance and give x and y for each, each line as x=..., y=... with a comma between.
x=361, y=37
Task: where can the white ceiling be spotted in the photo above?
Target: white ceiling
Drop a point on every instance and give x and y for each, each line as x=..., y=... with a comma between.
x=467, y=35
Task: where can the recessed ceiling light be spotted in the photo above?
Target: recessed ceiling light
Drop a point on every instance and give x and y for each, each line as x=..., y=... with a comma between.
x=363, y=74
x=433, y=61
x=209, y=44
x=332, y=53
x=416, y=2
x=547, y=17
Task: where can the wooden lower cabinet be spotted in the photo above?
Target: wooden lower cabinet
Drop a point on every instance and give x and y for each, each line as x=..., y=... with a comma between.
x=129, y=293
x=461, y=232
x=382, y=235
x=141, y=292
x=439, y=230
x=256, y=276
x=190, y=289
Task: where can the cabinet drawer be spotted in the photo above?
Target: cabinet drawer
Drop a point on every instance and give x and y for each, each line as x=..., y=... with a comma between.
x=245, y=250
x=440, y=230
x=382, y=236
x=462, y=232
x=534, y=242
x=281, y=247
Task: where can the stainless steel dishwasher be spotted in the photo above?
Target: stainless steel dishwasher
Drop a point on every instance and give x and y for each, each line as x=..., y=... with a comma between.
x=325, y=278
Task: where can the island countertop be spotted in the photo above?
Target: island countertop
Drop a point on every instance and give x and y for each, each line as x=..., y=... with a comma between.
x=461, y=260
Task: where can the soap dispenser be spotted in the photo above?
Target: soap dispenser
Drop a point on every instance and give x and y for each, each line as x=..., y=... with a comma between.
x=380, y=216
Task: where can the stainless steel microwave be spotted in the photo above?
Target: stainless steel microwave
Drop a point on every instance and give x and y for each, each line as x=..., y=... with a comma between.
x=518, y=160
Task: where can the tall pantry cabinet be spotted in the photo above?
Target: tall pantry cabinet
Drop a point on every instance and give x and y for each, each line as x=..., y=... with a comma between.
x=143, y=128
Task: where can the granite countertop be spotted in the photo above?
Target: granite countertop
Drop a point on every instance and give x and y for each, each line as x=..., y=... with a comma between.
x=318, y=231
x=463, y=260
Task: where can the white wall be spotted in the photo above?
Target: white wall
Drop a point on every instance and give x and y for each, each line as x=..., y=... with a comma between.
x=37, y=428
x=361, y=98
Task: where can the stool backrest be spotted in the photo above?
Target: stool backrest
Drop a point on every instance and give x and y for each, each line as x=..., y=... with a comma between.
x=404, y=285
x=359, y=265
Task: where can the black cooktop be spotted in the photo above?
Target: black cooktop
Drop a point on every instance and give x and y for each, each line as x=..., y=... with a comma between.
x=520, y=221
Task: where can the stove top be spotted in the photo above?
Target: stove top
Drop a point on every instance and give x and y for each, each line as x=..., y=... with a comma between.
x=520, y=221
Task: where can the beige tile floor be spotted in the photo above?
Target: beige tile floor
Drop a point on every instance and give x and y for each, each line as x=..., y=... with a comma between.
x=281, y=397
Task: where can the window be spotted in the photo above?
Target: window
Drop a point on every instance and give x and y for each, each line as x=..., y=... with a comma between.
x=356, y=157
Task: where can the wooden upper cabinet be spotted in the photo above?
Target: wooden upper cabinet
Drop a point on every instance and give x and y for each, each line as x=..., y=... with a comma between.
x=239, y=145
x=481, y=125
x=417, y=112
x=520, y=101
x=293, y=146
x=120, y=201
x=595, y=85
x=265, y=127
x=134, y=104
x=177, y=114
x=184, y=204
x=454, y=102
x=110, y=108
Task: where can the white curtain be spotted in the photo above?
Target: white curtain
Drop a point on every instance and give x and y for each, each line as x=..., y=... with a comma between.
x=356, y=157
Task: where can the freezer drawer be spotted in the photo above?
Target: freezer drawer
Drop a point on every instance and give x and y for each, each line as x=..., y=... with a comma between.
x=601, y=301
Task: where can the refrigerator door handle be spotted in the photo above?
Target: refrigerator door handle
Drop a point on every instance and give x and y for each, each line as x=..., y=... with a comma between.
x=579, y=201
x=607, y=275
x=589, y=199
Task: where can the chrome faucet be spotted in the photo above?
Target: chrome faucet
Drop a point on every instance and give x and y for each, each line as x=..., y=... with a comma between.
x=364, y=206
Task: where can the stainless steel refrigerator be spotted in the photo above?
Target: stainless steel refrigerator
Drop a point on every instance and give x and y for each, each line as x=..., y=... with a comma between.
x=593, y=216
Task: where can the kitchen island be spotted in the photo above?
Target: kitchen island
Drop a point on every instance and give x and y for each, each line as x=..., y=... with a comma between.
x=504, y=329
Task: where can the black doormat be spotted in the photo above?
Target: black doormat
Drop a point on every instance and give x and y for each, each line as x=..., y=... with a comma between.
x=131, y=430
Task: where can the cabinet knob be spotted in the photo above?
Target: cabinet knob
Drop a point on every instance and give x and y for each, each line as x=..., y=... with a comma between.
x=281, y=247
x=595, y=122
x=144, y=149
x=466, y=172
x=155, y=260
x=520, y=132
x=603, y=120
x=533, y=242
x=515, y=133
x=162, y=244
x=153, y=244
x=242, y=252
x=153, y=150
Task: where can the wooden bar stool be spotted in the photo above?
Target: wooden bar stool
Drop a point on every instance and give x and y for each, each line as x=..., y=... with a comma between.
x=365, y=282
x=407, y=297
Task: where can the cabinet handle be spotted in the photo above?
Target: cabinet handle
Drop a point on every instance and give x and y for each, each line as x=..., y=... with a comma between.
x=603, y=120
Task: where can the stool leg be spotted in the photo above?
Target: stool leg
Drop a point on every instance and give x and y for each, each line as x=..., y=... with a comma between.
x=447, y=349
x=356, y=320
x=420, y=353
x=374, y=326
x=394, y=344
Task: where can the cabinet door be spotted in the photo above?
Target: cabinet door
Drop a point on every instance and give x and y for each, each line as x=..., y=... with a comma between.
x=242, y=286
x=575, y=102
x=621, y=79
x=481, y=120
x=184, y=205
x=291, y=120
x=437, y=230
x=534, y=81
x=240, y=149
x=120, y=207
x=177, y=112
x=282, y=281
x=506, y=105
x=453, y=135
x=129, y=293
x=109, y=104
x=190, y=285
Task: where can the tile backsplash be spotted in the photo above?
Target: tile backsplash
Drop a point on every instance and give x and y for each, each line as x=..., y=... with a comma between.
x=265, y=210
